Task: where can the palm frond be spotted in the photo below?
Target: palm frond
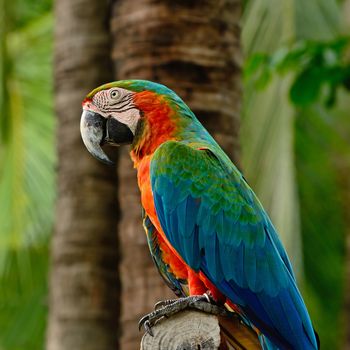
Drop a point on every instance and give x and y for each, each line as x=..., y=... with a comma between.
x=27, y=157
x=26, y=171
x=269, y=138
x=268, y=126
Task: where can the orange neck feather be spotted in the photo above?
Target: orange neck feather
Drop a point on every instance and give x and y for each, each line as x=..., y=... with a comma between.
x=158, y=124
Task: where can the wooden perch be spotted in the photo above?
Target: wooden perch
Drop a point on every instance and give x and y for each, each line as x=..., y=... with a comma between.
x=185, y=330
x=195, y=330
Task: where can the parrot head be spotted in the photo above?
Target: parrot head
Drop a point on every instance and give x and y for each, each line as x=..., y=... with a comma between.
x=128, y=112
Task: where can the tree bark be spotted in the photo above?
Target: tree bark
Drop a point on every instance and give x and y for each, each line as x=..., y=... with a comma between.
x=192, y=47
x=84, y=286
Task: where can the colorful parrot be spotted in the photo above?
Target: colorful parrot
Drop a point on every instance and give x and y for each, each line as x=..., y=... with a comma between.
x=208, y=234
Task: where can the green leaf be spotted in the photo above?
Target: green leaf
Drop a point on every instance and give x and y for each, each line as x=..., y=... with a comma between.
x=306, y=87
x=254, y=63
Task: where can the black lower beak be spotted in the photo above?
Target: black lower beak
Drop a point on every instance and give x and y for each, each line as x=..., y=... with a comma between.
x=117, y=133
x=93, y=132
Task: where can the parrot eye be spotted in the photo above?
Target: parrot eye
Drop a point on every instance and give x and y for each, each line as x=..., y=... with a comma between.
x=114, y=94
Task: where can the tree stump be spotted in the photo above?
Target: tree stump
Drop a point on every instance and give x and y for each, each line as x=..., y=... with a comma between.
x=187, y=330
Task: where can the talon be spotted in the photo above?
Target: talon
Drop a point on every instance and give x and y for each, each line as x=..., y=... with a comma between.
x=143, y=320
x=148, y=328
x=167, y=308
x=207, y=297
x=160, y=304
x=163, y=303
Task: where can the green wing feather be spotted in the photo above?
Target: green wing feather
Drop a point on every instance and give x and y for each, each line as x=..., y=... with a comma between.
x=217, y=225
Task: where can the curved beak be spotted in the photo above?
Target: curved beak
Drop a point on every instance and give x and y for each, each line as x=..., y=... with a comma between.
x=93, y=131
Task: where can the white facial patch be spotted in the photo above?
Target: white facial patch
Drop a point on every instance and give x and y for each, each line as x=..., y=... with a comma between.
x=129, y=117
x=118, y=103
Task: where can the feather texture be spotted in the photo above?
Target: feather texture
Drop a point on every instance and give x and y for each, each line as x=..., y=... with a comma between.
x=205, y=227
x=217, y=225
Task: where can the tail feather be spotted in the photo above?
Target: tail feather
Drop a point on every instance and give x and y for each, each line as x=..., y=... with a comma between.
x=266, y=344
x=238, y=335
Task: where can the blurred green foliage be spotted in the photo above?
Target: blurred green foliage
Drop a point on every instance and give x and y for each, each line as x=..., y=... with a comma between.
x=316, y=65
x=27, y=159
x=318, y=143
x=297, y=67
x=23, y=295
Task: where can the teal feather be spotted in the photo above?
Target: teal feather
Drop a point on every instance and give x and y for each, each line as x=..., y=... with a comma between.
x=215, y=222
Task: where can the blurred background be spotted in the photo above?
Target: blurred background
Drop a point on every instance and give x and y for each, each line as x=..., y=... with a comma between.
x=270, y=79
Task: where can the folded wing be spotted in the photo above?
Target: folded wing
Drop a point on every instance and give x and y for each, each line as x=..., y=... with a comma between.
x=215, y=222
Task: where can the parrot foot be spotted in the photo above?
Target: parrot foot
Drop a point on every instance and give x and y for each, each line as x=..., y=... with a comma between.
x=168, y=308
x=163, y=303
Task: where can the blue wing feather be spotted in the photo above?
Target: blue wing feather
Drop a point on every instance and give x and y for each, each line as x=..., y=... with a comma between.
x=214, y=221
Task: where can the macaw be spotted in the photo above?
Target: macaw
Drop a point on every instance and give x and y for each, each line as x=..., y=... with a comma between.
x=208, y=234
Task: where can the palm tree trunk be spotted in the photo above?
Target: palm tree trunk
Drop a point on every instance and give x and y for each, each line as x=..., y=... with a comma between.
x=194, y=48
x=84, y=286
